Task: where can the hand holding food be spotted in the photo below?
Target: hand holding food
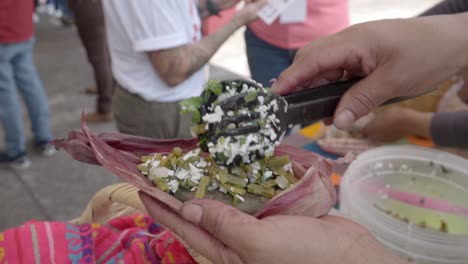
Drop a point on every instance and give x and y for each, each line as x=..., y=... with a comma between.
x=230, y=236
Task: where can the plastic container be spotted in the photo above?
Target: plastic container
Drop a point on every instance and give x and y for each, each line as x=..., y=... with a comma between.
x=414, y=200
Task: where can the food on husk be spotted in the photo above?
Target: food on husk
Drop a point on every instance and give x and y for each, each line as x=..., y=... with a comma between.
x=179, y=173
x=312, y=195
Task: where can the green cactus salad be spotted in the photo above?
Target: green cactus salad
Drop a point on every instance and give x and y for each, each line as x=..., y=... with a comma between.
x=236, y=167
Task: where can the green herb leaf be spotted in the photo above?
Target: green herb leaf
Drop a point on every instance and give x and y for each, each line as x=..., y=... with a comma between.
x=251, y=96
x=206, y=95
x=221, y=157
x=196, y=117
x=215, y=87
x=191, y=105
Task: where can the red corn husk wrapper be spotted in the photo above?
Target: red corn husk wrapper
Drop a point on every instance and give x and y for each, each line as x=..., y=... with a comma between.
x=313, y=195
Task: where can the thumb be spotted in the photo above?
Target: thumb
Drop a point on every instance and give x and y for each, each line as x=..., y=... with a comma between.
x=229, y=225
x=362, y=99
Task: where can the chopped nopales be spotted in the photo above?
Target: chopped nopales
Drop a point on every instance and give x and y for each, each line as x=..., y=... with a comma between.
x=198, y=174
x=312, y=195
x=237, y=149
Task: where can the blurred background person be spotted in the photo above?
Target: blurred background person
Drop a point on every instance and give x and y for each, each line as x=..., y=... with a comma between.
x=17, y=71
x=158, y=58
x=90, y=22
x=271, y=48
x=64, y=13
x=447, y=127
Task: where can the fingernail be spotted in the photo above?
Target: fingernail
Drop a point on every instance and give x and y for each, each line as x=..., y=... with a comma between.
x=192, y=213
x=345, y=119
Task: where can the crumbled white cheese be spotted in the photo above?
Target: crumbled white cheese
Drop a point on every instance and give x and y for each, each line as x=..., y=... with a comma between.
x=195, y=173
x=182, y=174
x=274, y=104
x=252, y=178
x=267, y=175
x=192, y=153
x=152, y=162
x=202, y=164
x=214, y=185
x=255, y=167
x=159, y=172
x=261, y=99
x=240, y=198
x=173, y=186
x=223, y=190
x=214, y=117
x=273, y=135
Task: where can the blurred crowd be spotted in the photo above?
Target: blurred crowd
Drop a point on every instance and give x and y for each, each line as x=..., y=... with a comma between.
x=148, y=55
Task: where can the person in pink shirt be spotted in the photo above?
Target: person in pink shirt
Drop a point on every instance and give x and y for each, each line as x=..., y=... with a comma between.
x=271, y=48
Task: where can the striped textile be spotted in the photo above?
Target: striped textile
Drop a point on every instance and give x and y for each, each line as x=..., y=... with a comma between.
x=129, y=239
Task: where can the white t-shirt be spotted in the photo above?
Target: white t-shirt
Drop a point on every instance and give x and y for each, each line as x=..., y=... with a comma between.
x=135, y=27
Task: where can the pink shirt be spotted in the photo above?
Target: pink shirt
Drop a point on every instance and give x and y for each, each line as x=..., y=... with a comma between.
x=324, y=17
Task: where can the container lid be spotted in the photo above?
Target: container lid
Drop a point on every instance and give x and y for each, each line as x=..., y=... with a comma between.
x=414, y=200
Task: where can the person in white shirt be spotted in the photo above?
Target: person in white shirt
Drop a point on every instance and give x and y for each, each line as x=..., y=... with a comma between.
x=158, y=56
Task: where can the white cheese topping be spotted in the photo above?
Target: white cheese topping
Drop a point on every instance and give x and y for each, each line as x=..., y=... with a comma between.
x=240, y=198
x=159, y=172
x=214, y=117
x=195, y=173
x=173, y=186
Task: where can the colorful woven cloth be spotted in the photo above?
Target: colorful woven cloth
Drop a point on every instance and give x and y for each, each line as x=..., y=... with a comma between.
x=129, y=239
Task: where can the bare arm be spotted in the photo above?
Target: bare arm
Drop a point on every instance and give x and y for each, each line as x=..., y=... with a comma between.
x=175, y=65
x=450, y=129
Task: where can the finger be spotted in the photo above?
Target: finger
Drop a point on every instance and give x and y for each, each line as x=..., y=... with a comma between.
x=226, y=223
x=361, y=99
x=333, y=75
x=296, y=75
x=321, y=57
x=194, y=236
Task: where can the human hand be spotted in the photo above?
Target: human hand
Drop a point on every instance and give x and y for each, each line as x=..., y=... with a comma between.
x=389, y=125
x=225, y=235
x=395, y=123
x=398, y=57
x=248, y=12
